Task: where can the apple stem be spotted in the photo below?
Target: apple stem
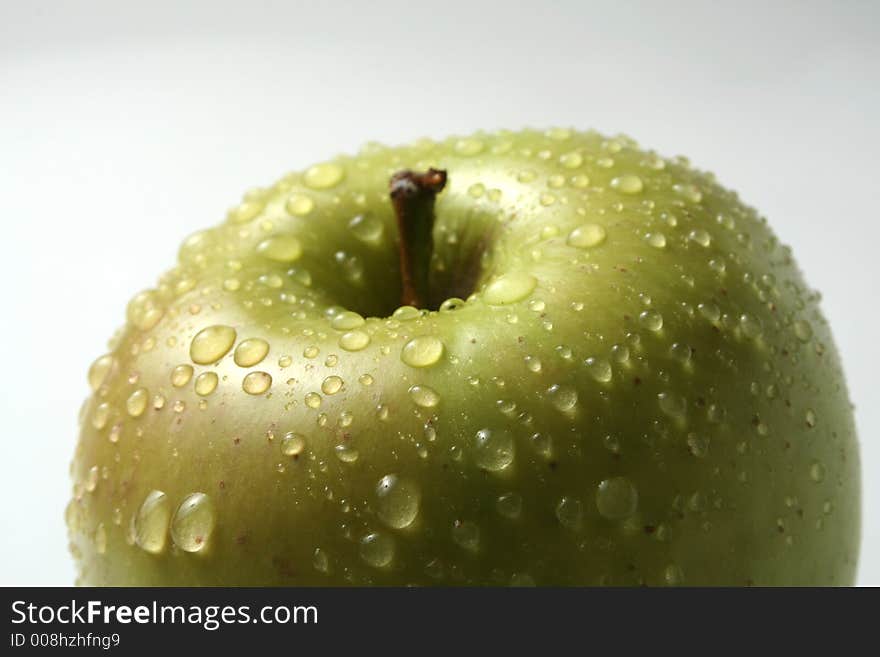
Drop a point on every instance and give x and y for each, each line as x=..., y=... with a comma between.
x=412, y=195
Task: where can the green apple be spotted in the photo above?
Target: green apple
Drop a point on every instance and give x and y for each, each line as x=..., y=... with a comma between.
x=613, y=374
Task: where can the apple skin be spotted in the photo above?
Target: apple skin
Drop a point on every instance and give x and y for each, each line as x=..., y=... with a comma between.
x=641, y=388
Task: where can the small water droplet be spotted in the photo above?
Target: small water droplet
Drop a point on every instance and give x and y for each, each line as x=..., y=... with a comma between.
x=599, y=369
x=206, y=383
x=509, y=505
x=354, y=341
x=466, y=534
x=493, y=449
x=367, y=229
x=651, y=320
x=256, y=383
x=802, y=330
x=293, y=444
x=570, y=513
x=817, y=472
x=564, y=398
x=323, y=176
x=628, y=184
x=616, y=498
x=424, y=396
x=331, y=385
x=469, y=146
x=672, y=404
x=299, y=205
x=571, y=160
x=657, y=240
x=587, y=236
x=181, y=375
x=700, y=236
x=136, y=403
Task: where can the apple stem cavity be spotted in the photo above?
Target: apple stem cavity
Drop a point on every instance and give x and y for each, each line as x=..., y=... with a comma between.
x=412, y=195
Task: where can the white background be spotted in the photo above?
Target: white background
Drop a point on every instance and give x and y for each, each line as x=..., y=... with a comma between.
x=124, y=126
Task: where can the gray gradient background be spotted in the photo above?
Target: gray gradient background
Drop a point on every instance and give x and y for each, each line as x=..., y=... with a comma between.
x=126, y=126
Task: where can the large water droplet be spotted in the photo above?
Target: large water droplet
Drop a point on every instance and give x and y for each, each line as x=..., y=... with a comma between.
x=354, y=341
x=250, y=352
x=211, y=344
x=422, y=351
x=193, y=523
x=628, y=184
x=377, y=549
x=509, y=288
x=281, y=248
x=616, y=498
x=324, y=176
x=399, y=501
x=150, y=523
x=256, y=383
x=493, y=449
x=587, y=236
x=424, y=396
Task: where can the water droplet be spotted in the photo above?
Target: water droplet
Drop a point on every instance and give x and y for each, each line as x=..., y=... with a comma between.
x=493, y=449
x=293, y=444
x=468, y=147
x=211, y=344
x=346, y=453
x=651, y=320
x=587, y=236
x=99, y=370
x=206, y=383
x=143, y=311
x=281, y=248
x=136, y=403
x=313, y=400
x=245, y=211
x=331, y=385
x=406, y=313
x=181, y=375
x=802, y=330
x=509, y=505
x=299, y=205
x=399, y=501
x=628, y=184
x=564, y=398
x=750, y=325
x=256, y=383
x=533, y=363
x=680, y=352
x=422, y=351
x=570, y=513
x=620, y=353
x=817, y=472
x=509, y=288
x=571, y=160
x=354, y=341
x=466, y=534
x=672, y=404
x=250, y=352
x=616, y=498
x=424, y=396
x=366, y=229
x=700, y=236
x=657, y=240
x=100, y=539
x=101, y=415
x=377, y=549
x=689, y=192
x=150, y=523
x=193, y=523
x=347, y=320
x=321, y=561
x=324, y=176
x=672, y=575
x=698, y=445
x=599, y=369
x=810, y=418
